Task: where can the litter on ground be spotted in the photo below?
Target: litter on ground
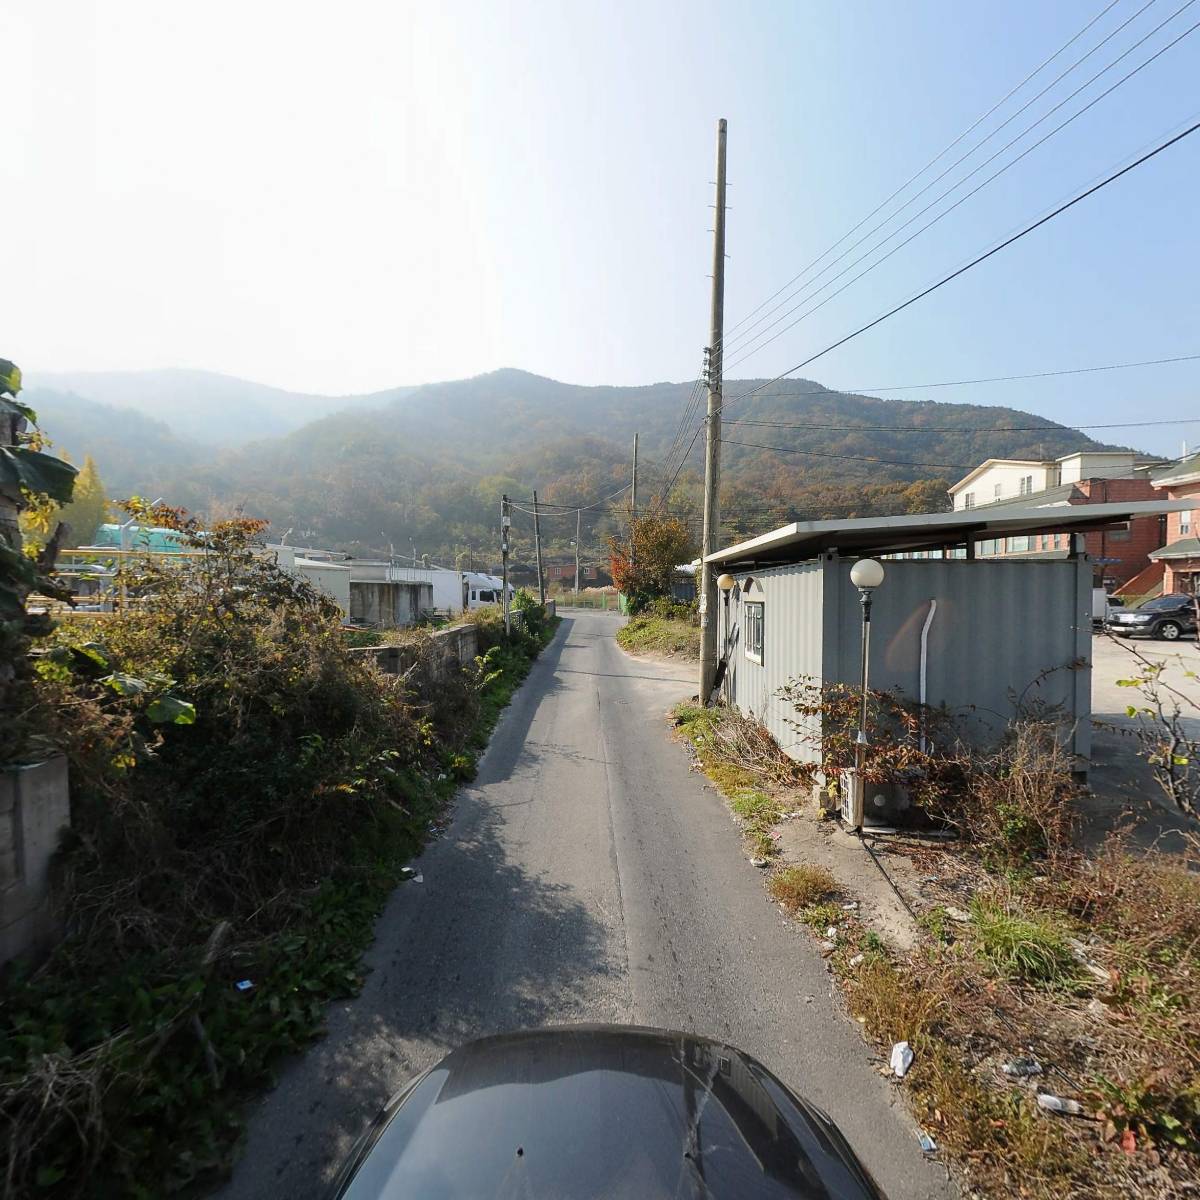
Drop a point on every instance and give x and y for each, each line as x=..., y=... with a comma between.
x=902, y=1059
x=1058, y=1104
x=1022, y=1068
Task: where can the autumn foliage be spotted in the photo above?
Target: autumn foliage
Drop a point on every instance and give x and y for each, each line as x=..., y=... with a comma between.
x=659, y=545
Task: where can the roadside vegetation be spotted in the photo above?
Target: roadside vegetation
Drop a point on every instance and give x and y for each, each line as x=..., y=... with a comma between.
x=644, y=570
x=246, y=792
x=1038, y=969
x=663, y=627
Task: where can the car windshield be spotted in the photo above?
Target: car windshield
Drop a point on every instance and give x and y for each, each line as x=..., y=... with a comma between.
x=1165, y=603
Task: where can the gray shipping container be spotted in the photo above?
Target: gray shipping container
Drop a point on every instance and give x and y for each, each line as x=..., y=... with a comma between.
x=1000, y=630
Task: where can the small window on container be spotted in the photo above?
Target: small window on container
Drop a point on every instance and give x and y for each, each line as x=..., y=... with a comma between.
x=753, y=622
x=487, y=597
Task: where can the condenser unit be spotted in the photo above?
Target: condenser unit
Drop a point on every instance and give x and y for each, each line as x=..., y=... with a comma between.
x=885, y=803
x=864, y=804
x=850, y=789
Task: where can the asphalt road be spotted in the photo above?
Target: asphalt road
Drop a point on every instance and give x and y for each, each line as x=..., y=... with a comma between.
x=588, y=875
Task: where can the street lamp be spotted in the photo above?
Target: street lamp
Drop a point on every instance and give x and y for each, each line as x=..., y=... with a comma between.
x=725, y=584
x=866, y=575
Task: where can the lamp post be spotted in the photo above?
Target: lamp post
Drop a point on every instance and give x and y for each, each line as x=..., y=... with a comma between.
x=866, y=575
x=725, y=584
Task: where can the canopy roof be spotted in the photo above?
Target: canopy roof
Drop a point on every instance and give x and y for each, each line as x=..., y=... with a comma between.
x=925, y=531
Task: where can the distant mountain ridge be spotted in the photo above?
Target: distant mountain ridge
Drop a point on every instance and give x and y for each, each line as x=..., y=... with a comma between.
x=205, y=406
x=427, y=464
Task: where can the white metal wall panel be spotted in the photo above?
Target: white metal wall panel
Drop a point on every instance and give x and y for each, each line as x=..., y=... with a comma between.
x=792, y=645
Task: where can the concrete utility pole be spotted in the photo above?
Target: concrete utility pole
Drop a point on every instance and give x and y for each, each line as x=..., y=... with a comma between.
x=712, y=438
x=537, y=545
x=633, y=504
x=578, y=526
x=505, y=525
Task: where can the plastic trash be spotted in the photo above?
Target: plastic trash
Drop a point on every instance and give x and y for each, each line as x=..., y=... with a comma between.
x=902, y=1059
x=927, y=1143
x=850, y=907
x=831, y=933
x=407, y=872
x=418, y=879
x=758, y=862
x=244, y=985
x=1059, y=1105
x=854, y=962
x=1022, y=1068
x=957, y=914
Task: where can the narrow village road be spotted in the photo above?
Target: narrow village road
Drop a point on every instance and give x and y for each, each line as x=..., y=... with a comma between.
x=588, y=875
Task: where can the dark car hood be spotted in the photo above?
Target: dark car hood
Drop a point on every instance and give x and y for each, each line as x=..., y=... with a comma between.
x=582, y=1112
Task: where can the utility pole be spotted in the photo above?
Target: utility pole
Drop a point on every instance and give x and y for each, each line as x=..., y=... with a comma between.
x=712, y=438
x=578, y=527
x=537, y=546
x=633, y=504
x=505, y=525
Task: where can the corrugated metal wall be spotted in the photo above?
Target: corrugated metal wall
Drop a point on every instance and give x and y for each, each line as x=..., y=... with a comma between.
x=998, y=628
x=792, y=645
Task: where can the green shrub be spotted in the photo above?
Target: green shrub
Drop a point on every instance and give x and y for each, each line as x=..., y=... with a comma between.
x=256, y=842
x=1029, y=947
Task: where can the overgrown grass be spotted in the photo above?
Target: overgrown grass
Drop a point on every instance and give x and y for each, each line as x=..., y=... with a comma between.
x=798, y=887
x=1028, y=946
x=1012, y=1148
x=1088, y=963
x=746, y=773
x=661, y=635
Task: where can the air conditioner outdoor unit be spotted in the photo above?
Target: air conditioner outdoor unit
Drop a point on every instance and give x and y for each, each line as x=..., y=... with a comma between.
x=851, y=792
x=866, y=804
x=886, y=803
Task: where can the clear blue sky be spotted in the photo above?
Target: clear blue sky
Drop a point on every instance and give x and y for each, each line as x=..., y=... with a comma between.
x=340, y=198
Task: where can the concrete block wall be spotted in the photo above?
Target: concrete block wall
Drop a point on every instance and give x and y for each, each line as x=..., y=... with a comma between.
x=35, y=810
x=453, y=649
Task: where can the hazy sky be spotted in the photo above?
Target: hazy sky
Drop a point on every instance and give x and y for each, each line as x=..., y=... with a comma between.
x=342, y=197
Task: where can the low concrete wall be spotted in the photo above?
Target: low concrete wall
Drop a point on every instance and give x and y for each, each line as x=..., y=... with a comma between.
x=453, y=649
x=388, y=605
x=35, y=810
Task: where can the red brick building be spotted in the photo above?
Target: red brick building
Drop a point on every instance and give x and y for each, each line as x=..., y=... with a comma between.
x=1180, y=556
x=1087, y=478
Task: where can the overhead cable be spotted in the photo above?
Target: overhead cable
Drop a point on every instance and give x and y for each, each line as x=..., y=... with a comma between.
x=1050, y=216
x=936, y=158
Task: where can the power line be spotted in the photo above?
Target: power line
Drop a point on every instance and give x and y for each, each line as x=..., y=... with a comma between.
x=746, y=351
x=941, y=154
x=1050, y=216
x=985, y=140
x=911, y=387
x=1052, y=428
x=888, y=462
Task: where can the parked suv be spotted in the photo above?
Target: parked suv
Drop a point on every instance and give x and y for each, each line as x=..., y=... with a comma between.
x=1165, y=617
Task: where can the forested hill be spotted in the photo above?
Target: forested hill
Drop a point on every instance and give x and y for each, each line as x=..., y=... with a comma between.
x=428, y=464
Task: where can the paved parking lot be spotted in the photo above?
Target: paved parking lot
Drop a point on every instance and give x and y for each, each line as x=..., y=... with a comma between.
x=1117, y=658
x=1123, y=787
